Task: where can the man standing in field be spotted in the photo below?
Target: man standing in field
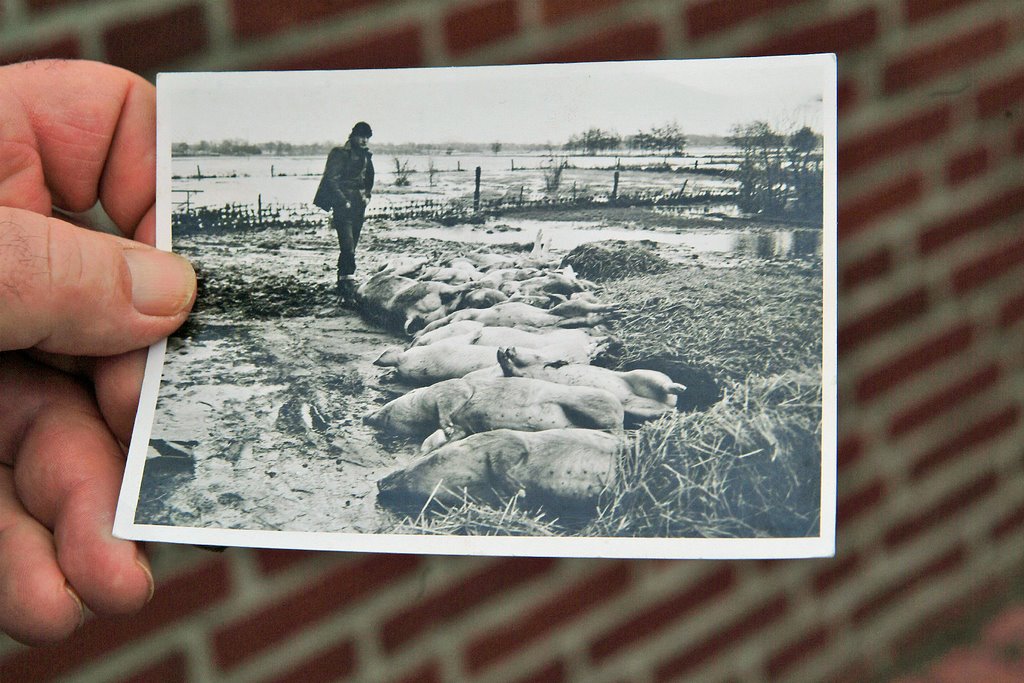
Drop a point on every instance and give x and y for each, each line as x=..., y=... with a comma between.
x=345, y=190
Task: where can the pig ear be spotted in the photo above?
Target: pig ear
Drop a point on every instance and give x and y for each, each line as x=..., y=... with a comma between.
x=435, y=440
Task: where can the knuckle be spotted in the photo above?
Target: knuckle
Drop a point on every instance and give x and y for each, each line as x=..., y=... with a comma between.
x=23, y=263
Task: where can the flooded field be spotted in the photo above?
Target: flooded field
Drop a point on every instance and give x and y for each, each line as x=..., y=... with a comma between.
x=259, y=421
x=289, y=181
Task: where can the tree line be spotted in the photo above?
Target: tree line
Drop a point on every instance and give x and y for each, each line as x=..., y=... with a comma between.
x=667, y=140
x=779, y=175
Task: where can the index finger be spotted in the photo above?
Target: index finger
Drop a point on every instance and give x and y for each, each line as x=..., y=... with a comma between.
x=93, y=127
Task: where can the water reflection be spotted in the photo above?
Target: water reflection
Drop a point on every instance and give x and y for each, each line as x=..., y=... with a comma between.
x=565, y=235
x=779, y=244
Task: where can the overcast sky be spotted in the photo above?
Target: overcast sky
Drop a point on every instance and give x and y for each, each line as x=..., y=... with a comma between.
x=518, y=104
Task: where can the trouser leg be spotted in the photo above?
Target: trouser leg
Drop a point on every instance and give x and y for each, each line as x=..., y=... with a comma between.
x=343, y=224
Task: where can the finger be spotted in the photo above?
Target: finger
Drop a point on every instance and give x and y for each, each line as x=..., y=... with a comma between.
x=118, y=382
x=68, y=290
x=67, y=472
x=36, y=604
x=93, y=126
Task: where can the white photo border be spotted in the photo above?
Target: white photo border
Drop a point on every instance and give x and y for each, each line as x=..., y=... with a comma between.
x=822, y=545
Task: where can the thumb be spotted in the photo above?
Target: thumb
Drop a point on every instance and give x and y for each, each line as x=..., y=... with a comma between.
x=67, y=290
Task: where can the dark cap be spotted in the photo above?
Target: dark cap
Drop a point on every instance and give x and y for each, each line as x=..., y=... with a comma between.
x=362, y=129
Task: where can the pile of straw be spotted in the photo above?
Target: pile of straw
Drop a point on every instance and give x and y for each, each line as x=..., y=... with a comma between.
x=614, y=259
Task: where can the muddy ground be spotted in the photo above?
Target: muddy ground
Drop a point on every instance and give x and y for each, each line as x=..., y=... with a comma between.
x=259, y=420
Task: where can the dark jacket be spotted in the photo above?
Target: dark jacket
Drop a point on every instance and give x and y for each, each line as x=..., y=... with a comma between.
x=348, y=172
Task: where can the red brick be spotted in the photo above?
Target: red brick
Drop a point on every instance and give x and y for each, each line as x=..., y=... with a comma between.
x=952, y=54
x=554, y=672
x=276, y=561
x=990, y=265
x=977, y=217
x=849, y=450
x=918, y=10
x=954, y=503
x=790, y=654
x=402, y=47
x=477, y=25
x=838, y=34
x=43, y=5
x=855, y=504
x=490, y=647
x=835, y=571
x=1008, y=523
x=857, y=214
x=871, y=267
x=630, y=41
x=157, y=40
x=855, y=671
x=717, y=644
x=946, y=620
x=896, y=592
x=239, y=640
x=914, y=361
x=710, y=16
x=847, y=96
x=654, y=617
x=173, y=667
x=557, y=11
x=882, y=143
x=66, y=47
x=424, y=673
x=255, y=18
x=1012, y=310
x=326, y=666
x=435, y=610
x=941, y=402
x=967, y=165
x=1001, y=97
x=890, y=315
x=175, y=599
x=988, y=428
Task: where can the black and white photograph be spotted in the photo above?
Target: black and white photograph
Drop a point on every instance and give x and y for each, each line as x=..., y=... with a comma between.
x=562, y=309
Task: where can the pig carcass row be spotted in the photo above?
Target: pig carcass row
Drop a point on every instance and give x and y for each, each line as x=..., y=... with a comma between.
x=525, y=316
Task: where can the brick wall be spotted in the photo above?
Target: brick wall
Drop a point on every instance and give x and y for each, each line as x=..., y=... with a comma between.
x=931, y=259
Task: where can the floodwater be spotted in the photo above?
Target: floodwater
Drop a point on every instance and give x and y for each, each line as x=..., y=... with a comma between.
x=566, y=235
x=216, y=181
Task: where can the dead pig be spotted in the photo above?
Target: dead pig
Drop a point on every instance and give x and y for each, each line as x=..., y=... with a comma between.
x=453, y=409
x=645, y=394
x=564, y=471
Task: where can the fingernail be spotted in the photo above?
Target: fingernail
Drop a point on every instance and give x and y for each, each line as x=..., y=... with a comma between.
x=162, y=283
x=78, y=603
x=144, y=565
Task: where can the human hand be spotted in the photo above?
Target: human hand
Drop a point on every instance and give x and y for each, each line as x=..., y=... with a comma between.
x=77, y=309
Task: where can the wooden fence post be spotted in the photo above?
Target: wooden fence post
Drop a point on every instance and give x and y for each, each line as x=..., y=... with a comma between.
x=259, y=209
x=476, y=192
x=615, y=187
